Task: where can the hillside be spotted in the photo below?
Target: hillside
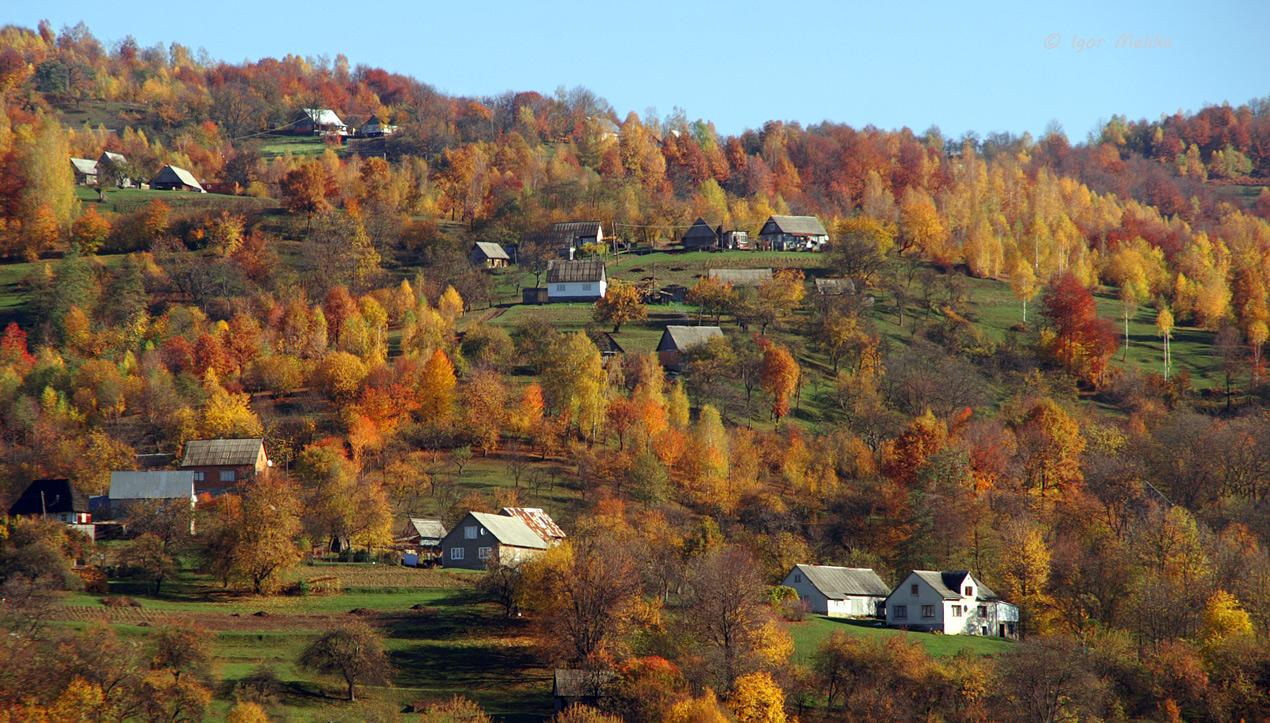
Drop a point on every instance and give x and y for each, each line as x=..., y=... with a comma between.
x=1038, y=367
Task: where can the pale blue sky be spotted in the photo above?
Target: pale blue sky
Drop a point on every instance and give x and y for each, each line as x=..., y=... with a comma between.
x=741, y=63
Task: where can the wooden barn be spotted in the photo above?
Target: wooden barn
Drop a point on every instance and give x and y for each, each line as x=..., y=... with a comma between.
x=700, y=237
x=488, y=254
x=173, y=178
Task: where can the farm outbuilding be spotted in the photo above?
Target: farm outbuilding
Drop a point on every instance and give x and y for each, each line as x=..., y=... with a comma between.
x=838, y=591
x=85, y=171
x=319, y=122
x=488, y=254
x=700, y=237
x=678, y=340
x=54, y=499
x=793, y=233
x=173, y=178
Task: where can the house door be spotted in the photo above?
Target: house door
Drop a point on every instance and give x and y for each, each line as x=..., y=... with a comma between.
x=1002, y=630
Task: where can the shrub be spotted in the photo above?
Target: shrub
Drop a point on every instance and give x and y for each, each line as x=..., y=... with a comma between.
x=260, y=686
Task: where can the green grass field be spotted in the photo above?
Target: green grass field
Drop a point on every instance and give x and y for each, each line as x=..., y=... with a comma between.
x=123, y=200
x=440, y=639
x=281, y=145
x=810, y=633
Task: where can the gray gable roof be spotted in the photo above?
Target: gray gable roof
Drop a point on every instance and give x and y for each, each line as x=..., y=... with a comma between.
x=323, y=116
x=509, y=530
x=491, y=250
x=84, y=166
x=425, y=528
x=837, y=583
x=576, y=229
x=794, y=225
x=948, y=584
x=683, y=338
x=165, y=485
x=222, y=452
x=585, y=271
x=112, y=157
x=741, y=277
x=175, y=174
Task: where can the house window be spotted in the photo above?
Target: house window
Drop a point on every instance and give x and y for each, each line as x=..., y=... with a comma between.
x=227, y=475
x=586, y=287
x=956, y=611
x=912, y=589
x=798, y=577
x=983, y=611
x=483, y=552
x=469, y=532
x=456, y=553
x=970, y=591
x=199, y=476
x=928, y=611
x=560, y=288
x=901, y=612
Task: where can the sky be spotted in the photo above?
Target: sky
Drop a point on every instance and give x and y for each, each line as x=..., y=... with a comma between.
x=996, y=67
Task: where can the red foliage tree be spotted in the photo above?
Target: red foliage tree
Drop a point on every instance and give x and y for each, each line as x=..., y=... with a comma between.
x=1082, y=343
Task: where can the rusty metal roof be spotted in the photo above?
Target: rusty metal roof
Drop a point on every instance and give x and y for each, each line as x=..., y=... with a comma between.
x=537, y=520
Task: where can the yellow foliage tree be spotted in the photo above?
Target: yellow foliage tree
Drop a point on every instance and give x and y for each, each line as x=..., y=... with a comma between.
x=757, y=698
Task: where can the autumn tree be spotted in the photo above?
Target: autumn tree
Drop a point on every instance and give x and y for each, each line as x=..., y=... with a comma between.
x=437, y=390
x=1051, y=445
x=266, y=531
x=1023, y=282
x=725, y=613
x=860, y=246
x=184, y=651
x=1164, y=326
x=712, y=297
x=352, y=651
x=620, y=304
x=779, y=377
x=307, y=188
x=591, y=599
x=1080, y=341
x=90, y=231
x=756, y=698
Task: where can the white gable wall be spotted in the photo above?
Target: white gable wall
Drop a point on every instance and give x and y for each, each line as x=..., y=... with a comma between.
x=963, y=616
x=578, y=290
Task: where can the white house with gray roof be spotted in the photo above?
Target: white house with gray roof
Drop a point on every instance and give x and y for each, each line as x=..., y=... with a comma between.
x=480, y=536
x=839, y=592
x=952, y=602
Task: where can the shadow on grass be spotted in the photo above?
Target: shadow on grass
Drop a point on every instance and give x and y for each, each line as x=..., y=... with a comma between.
x=453, y=617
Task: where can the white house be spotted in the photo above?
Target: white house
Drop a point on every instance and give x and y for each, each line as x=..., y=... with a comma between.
x=839, y=592
x=583, y=280
x=952, y=602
